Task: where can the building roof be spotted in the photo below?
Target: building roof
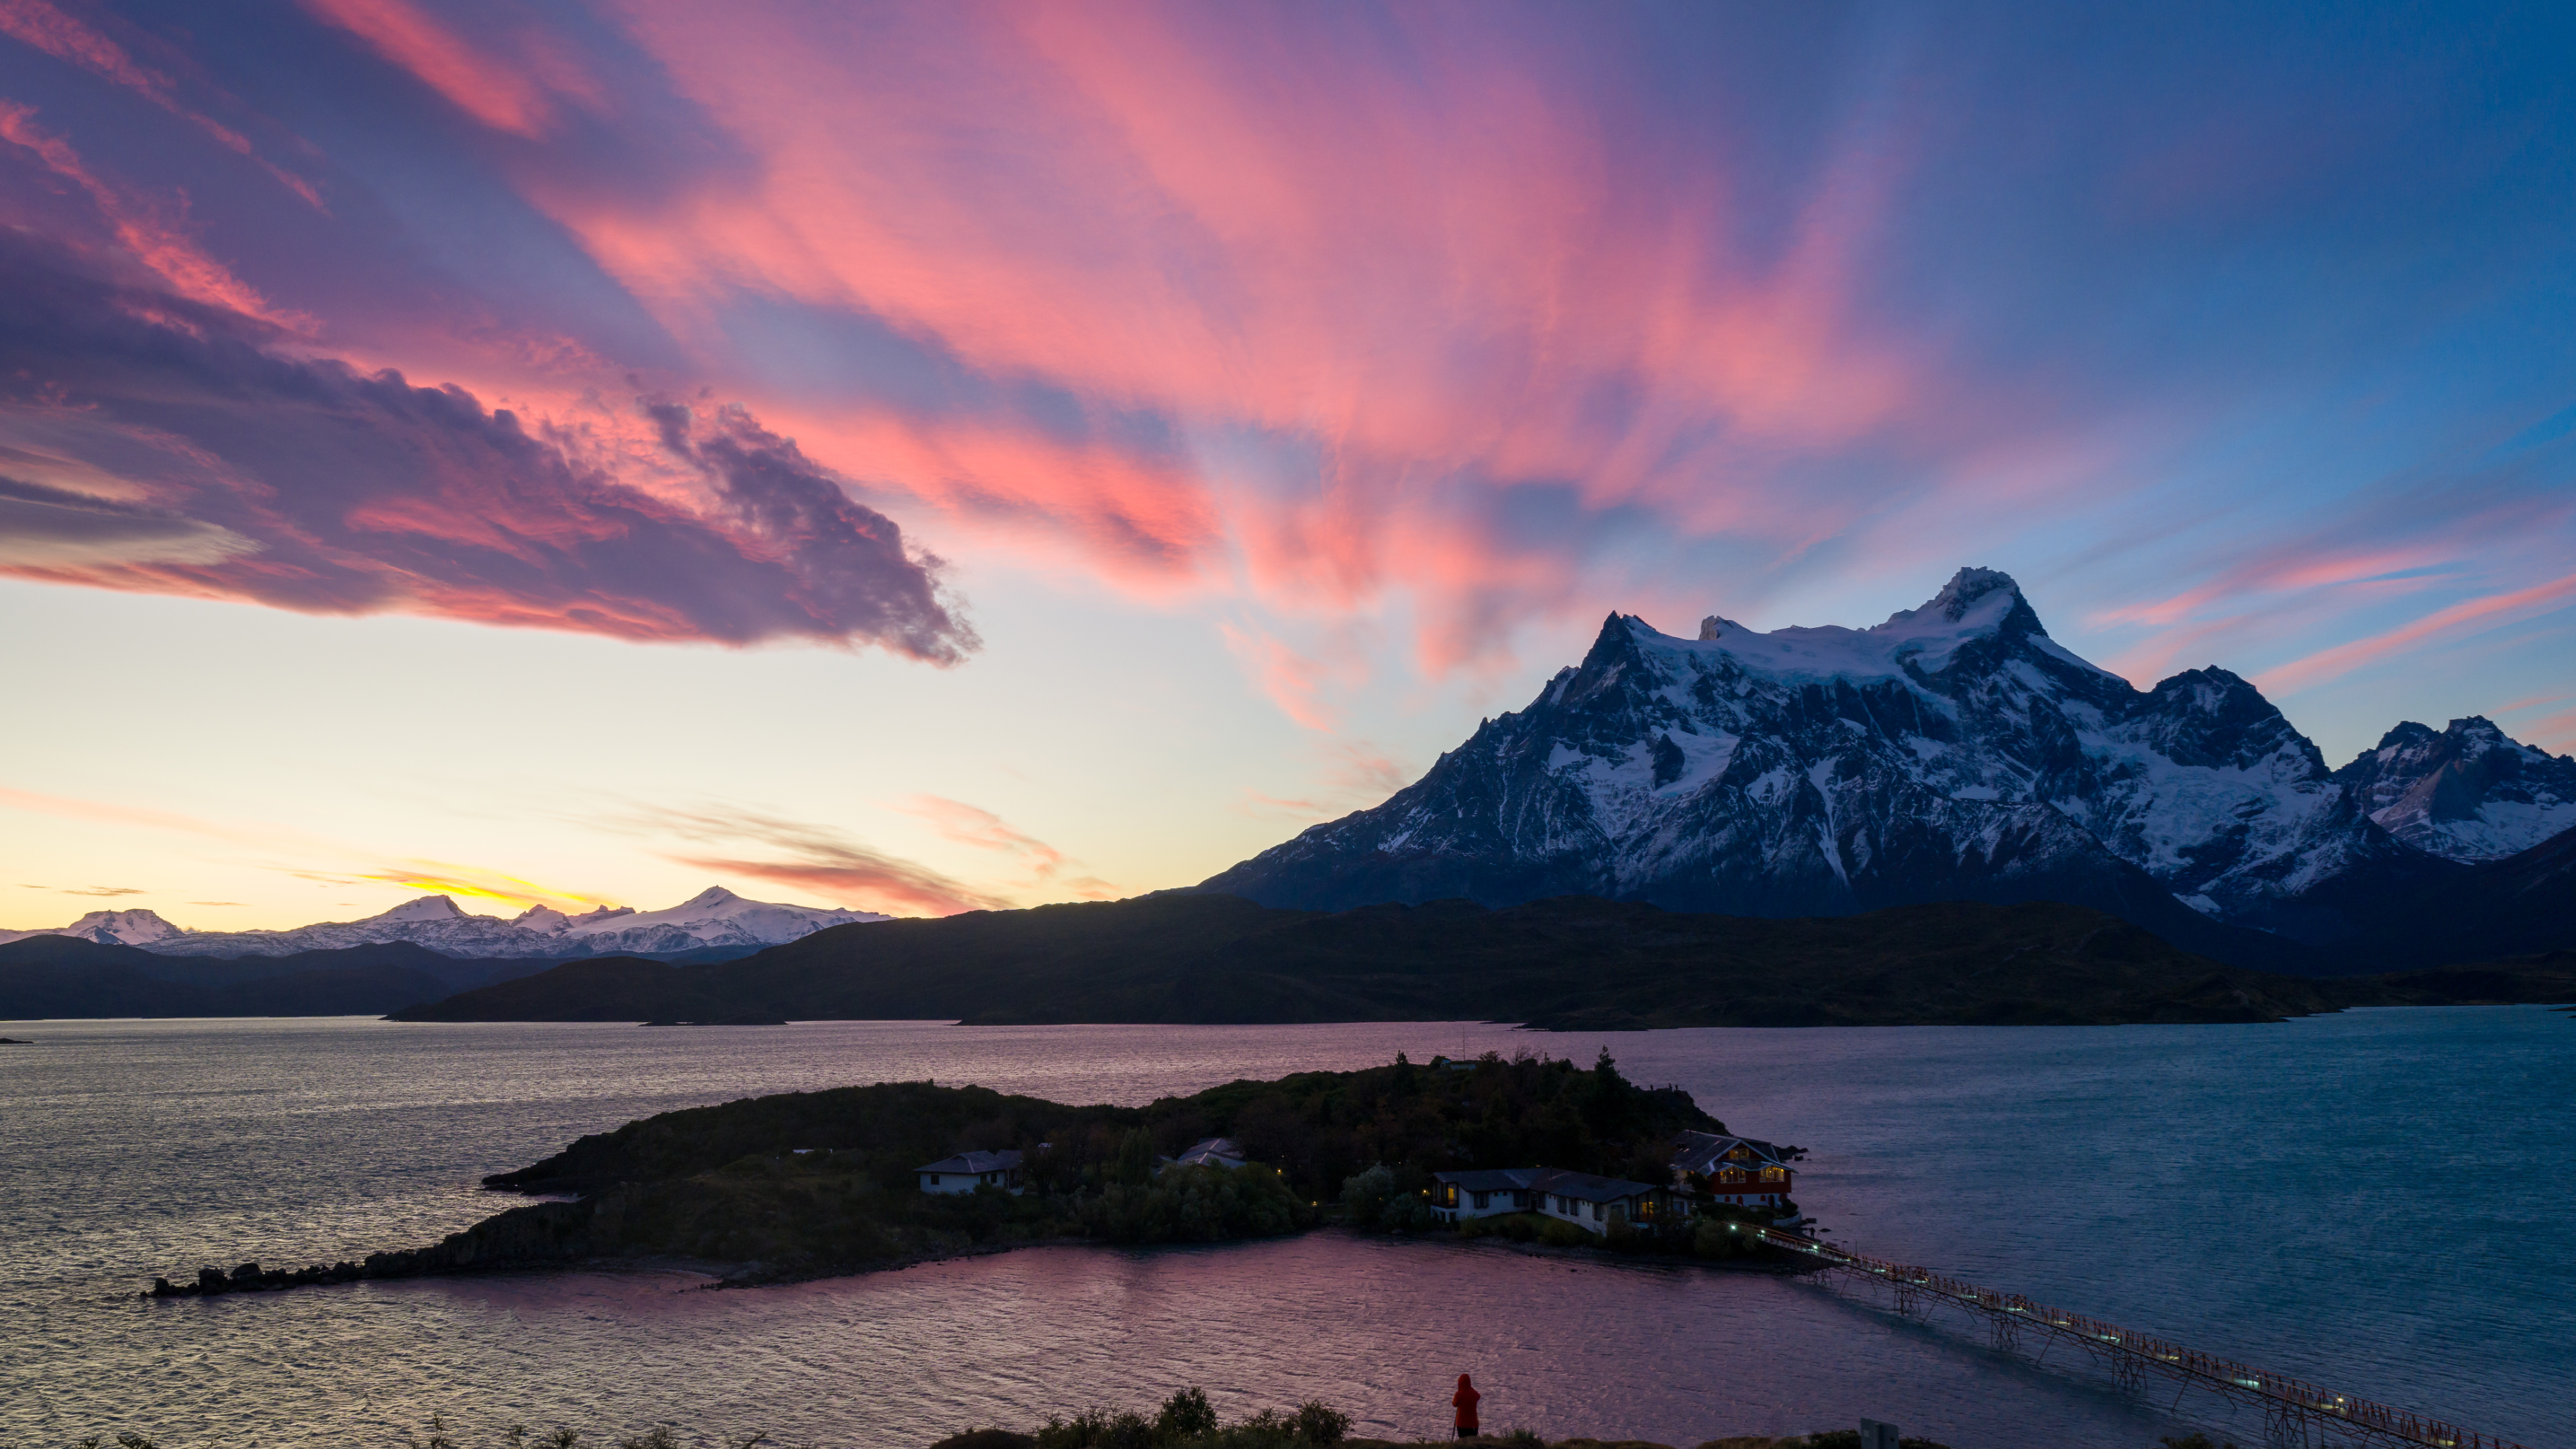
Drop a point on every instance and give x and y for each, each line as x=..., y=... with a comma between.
x=1213, y=1149
x=1584, y=1185
x=1704, y=1151
x=1491, y=1179
x=1589, y=1187
x=971, y=1163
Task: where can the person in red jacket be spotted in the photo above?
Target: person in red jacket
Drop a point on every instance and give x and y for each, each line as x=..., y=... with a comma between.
x=1465, y=1400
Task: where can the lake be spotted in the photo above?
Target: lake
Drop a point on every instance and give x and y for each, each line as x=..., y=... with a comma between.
x=2375, y=1201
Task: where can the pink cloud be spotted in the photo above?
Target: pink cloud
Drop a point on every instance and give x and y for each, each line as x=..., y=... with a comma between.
x=169, y=253
x=1420, y=256
x=2468, y=614
x=1296, y=682
x=807, y=856
x=493, y=93
x=2556, y=733
x=981, y=829
x=47, y=28
x=310, y=487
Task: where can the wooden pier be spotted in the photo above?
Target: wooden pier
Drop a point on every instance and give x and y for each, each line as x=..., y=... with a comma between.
x=2296, y=1413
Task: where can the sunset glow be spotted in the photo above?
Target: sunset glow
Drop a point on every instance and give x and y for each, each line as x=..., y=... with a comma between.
x=929, y=458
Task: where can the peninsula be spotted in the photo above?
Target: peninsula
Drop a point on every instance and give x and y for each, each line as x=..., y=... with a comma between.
x=819, y=1184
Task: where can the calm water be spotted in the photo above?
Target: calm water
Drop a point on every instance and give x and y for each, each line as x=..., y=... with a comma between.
x=2375, y=1200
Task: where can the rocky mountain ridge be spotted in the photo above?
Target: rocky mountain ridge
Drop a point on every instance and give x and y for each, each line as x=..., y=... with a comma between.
x=1953, y=752
x=2467, y=792
x=715, y=917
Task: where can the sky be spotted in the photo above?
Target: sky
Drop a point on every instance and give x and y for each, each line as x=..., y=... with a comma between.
x=931, y=458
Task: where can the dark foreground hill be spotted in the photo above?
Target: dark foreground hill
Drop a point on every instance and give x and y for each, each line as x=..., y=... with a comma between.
x=1571, y=963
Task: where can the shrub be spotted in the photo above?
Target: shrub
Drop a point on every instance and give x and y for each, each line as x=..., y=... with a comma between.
x=1097, y=1429
x=1558, y=1233
x=1365, y=1194
x=1196, y=1204
x=1316, y=1423
x=987, y=1439
x=1721, y=1238
x=1185, y=1415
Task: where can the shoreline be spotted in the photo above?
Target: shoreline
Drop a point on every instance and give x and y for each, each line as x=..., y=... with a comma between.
x=724, y=1274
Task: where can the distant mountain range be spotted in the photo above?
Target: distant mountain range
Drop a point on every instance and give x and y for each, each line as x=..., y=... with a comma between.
x=715, y=920
x=46, y=975
x=1955, y=752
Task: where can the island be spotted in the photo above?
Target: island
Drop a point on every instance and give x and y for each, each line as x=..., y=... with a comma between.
x=817, y=1184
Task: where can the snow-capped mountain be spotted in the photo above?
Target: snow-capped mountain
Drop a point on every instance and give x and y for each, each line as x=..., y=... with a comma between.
x=108, y=928
x=2467, y=793
x=1953, y=752
x=714, y=917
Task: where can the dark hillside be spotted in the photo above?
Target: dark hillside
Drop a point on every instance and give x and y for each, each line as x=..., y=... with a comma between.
x=1571, y=962
x=66, y=977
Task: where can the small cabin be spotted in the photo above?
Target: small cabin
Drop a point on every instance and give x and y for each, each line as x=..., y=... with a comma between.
x=968, y=1171
x=1743, y=1171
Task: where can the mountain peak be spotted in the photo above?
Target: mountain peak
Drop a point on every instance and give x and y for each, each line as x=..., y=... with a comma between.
x=711, y=896
x=425, y=908
x=1965, y=589
x=2407, y=732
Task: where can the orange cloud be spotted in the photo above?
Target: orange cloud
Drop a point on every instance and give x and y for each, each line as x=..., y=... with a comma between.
x=443, y=878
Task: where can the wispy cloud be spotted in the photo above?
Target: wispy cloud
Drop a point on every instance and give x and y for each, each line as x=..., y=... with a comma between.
x=491, y=91
x=971, y=825
x=2462, y=617
x=1355, y=775
x=108, y=891
x=48, y=28
x=810, y=856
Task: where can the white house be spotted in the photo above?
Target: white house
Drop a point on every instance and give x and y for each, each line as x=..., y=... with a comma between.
x=968, y=1171
x=1738, y=1170
x=1589, y=1202
x=1483, y=1193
